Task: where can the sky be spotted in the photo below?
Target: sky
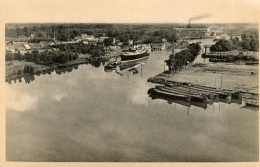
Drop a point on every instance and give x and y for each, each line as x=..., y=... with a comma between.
x=131, y=11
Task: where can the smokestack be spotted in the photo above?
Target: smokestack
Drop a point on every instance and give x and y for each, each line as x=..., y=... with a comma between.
x=189, y=24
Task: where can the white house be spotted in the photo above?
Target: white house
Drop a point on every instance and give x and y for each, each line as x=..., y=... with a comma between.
x=26, y=46
x=102, y=38
x=87, y=37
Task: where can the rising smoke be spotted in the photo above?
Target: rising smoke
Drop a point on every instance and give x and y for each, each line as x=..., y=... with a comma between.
x=200, y=17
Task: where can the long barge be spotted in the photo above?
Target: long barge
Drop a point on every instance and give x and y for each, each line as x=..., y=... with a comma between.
x=193, y=96
x=173, y=95
x=206, y=90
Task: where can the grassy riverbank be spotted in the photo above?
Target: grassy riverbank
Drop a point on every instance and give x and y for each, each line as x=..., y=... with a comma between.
x=13, y=67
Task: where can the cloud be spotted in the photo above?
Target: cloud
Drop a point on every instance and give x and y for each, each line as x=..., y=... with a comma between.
x=138, y=95
x=59, y=96
x=18, y=101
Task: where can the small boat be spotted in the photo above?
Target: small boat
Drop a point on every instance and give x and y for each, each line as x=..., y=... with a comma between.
x=112, y=65
x=252, y=102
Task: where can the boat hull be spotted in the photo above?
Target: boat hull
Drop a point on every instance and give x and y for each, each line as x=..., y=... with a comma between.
x=133, y=57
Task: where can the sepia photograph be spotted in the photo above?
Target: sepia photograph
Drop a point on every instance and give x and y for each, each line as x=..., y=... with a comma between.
x=131, y=81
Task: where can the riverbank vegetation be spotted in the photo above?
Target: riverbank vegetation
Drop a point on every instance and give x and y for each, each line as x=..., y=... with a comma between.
x=96, y=50
x=180, y=60
x=43, y=58
x=249, y=42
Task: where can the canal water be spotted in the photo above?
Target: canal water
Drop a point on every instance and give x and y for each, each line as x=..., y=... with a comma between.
x=90, y=114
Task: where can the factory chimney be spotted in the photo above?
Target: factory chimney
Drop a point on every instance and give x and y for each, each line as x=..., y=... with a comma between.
x=189, y=26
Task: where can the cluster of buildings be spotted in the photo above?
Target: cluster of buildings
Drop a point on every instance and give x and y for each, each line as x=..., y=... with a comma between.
x=193, y=32
x=22, y=43
x=13, y=46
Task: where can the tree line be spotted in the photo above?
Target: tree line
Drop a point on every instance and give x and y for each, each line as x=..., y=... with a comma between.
x=67, y=52
x=43, y=58
x=249, y=42
x=95, y=50
x=180, y=60
x=144, y=33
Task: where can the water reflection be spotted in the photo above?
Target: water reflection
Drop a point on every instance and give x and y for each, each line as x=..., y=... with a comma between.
x=27, y=78
x=90, y=115
x=248, y=107
x=119, y=68
x=30, y=78
x=66, y=69
x=179, y=101
x=126, y=67
x=97, y=62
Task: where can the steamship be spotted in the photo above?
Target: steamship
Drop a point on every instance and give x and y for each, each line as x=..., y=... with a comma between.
x=134, y=54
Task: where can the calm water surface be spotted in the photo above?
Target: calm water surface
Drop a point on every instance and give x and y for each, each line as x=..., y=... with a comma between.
x=89, y=115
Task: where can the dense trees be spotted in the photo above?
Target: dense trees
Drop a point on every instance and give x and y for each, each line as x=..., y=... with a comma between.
x=249, y=42
x=108, y=42
x=96, y=50
x=44, y=58
x=222, y=46
x=67, y=52
x=8, y=56
x=180, y=60
x=144, y=33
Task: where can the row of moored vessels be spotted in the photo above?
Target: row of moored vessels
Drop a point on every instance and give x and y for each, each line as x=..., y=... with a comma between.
x=192, y=93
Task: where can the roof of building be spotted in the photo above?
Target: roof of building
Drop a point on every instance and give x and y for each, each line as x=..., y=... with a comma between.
x=252, y=54
x=18, y=39
x=27, y=46
x=164, y=40
x=158, y=46
x=168, y=44
x=103, y=37
x=217, y=31
x=84, y=34
x=31, y=35
x=35, y=45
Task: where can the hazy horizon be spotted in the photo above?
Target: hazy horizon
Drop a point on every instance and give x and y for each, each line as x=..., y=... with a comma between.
x=132, y=12
x=124, y=23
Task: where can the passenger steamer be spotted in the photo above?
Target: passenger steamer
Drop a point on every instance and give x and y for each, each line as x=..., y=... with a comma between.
x=134, y=54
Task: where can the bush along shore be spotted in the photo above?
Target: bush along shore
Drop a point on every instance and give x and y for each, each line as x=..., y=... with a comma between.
x=36, y=62
x=182, y=59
